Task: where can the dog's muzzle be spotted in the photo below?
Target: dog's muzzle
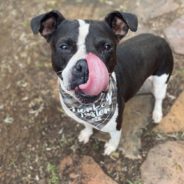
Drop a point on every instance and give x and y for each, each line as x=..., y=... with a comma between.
x=93, y=75
x=79, y=73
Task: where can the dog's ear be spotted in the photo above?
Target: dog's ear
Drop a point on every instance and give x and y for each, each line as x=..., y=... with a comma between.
x=46, y=23
x=121, y=22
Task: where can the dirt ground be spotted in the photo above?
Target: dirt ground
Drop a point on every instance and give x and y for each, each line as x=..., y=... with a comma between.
x=35, y=134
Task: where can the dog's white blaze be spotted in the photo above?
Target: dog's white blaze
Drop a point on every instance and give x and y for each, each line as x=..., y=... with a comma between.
x=80, y=54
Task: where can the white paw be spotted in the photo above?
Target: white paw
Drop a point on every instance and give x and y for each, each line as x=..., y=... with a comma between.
x=84, y=135
x=109, y=148
x=157, y=116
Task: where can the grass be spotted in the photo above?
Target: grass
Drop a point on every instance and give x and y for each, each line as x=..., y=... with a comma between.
x=171, y=136
x=53, y=173
x=133, y=182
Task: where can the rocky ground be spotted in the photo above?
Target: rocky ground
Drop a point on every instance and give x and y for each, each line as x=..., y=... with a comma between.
x=38, y=143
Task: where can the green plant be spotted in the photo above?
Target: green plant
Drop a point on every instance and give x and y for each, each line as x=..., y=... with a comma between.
x=52, y=170
x=133, y=182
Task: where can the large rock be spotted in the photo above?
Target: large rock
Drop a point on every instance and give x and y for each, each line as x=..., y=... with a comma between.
x=152, y=9
x=137, y=115
x=164, y=164
x=175, y=35
x=174, y=120
x=160, y=8
x=83, y=170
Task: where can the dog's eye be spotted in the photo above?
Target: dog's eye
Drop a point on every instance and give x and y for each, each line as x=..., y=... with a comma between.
x=107, y=46
x=64, y=46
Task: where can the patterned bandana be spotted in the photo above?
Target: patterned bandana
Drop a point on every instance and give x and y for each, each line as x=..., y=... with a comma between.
x=97, y=113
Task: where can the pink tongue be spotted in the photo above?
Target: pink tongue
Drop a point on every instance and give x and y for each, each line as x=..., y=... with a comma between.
x=98, y=78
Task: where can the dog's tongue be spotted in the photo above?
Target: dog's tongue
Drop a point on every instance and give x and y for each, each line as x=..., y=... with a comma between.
x=98, y=78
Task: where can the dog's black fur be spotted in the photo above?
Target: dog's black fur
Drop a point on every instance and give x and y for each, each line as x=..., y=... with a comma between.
x=137, y=59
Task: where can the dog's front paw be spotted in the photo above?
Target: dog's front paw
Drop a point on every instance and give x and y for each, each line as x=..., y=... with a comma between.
x=85, y=135
x=109, y=148
x=157, y=116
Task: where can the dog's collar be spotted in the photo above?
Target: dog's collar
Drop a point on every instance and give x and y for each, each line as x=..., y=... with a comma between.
x=98, y=113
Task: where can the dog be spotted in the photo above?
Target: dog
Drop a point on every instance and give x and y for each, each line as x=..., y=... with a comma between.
x=97, y=74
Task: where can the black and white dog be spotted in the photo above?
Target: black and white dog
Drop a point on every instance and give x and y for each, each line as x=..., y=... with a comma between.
x=97, y=76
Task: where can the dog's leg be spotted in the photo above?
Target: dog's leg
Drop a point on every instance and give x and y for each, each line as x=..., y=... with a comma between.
x=85, y=134
x=159, y=92
x=113, y=143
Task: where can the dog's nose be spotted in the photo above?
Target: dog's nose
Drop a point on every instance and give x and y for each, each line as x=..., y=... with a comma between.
x=81, y=68
x=80, y=73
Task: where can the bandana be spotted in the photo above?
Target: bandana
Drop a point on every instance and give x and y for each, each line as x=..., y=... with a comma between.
x=97, y=113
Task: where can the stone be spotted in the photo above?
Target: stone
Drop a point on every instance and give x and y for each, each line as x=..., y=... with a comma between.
x=163, y=7
x=151, y=9
x=174, y=120
x=66, y=162
x=84, y=169
x=137, y=116
x=164, y=164
x=93, y=174
x=175, y=35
